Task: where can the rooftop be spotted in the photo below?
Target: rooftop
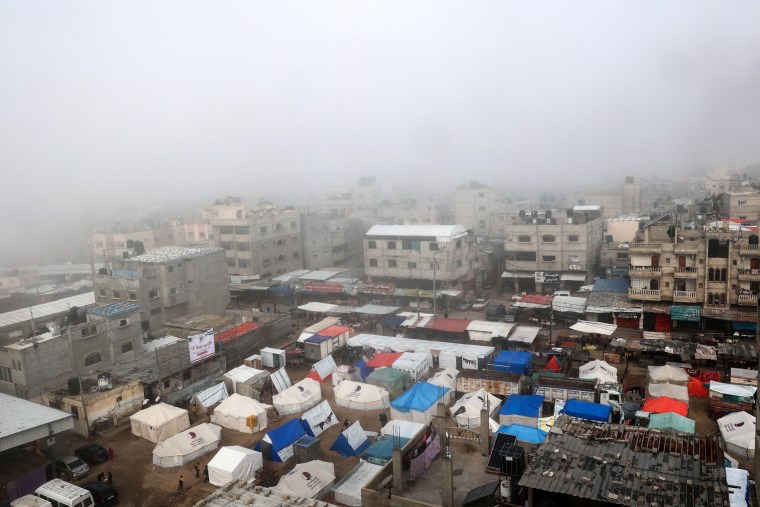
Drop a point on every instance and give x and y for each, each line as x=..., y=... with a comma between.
x=173, y=253
x=20, y=418
x=114, y=309
x=445, y=232
x=46, y=309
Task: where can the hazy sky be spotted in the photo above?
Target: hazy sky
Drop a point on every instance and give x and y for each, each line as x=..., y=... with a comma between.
x=148, y=100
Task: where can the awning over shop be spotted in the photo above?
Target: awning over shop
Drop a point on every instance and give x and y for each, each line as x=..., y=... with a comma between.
x=569, y=304
x=534, y=301
x=451, y=293
x=585, y=326
x=744, y=326
x=517, y=274
x=376, y=310
x=316, y=307
x=572, y=277
x=447, y=325
x=485, y=331
x=686, y=313
x=524, y=334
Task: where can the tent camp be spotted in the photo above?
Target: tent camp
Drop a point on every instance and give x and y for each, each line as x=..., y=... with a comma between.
x=307, y=480
x=667, y=373
x=522, y=433
x=588, y=410
x=675, y=391
x=243, y=375
x=672, y=422
x=241, y=413
x=738, y=431
x=349, y=490
x=599, y=370
x=159, y=422
x=417, y=365
x=320, y=418
x=207, y=398
x=352, y=441
x=298, y=397
x=418, y=404
x=358, y=396
x=664, y=404
x=513, y=362
x=345, y=372
x=234, y=463
x=187, y=446
x=392, y=380
x=466, y=410
x=277, y=444
x=522, y=409
x=446, y=378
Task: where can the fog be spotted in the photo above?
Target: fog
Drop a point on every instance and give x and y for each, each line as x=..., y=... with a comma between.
x=105, y=104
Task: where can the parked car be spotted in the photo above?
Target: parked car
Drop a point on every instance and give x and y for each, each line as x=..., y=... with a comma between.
x=511, y=315
x=518, y=297
x=103, y=494
x=480, y=304
x=495, y=312
x=71, y=468
x=92, y=454
x=561, y=293
x=463, y=306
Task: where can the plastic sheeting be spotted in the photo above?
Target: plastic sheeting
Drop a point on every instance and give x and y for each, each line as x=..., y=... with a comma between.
x=672, y=421
x=523, y=409
x=404, y=429
x=186, y=446
x=667, y=373
x=282, y=439
x=349, y=490
x=418, y=404
x=524, y=433
x=211, y=396
x=677, y=392
x=513, y=362
x=417, y=365
x=732, y=389
x=697, y=388
x=587, y=410
x=587, y=326
x=234, y=463
x=384, y=359
x=664, y=404
x=394, y=381
x=358, y=396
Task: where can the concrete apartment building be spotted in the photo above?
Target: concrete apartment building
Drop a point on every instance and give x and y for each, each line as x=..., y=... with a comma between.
x=324, y=240
x=23, y=323
x=360, y=201
x=545, y=251
x=108, y=335
x=406, y=255
x=742, y=205
x=167, y=283
x=618, y=234
x=473, y=205
x=112, y=244
x=616, y=200
x=259, y=242
x=413, y=212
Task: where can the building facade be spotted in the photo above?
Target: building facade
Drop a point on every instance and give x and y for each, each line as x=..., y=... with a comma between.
x=167, y=283
x=741, y=205
x=473, y=205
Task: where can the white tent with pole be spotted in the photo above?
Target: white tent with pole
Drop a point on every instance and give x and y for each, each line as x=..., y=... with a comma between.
x=466, y=411
x=159, y=422
x=298, y=397
x=599, y=370
x=186, y=446
x=307, y=480
x=358, y=396
x=241, y=413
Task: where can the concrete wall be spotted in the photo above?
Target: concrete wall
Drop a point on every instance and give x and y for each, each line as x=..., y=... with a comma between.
x=46, y=365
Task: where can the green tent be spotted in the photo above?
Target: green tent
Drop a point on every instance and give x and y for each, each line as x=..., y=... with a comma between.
x=672, y=422
x=392, y=380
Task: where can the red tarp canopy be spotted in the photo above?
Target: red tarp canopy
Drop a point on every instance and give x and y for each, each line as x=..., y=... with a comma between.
x=236, y=332
x=552, y=365
x=334, y=331
x=380, y=360
x=697, y=388
x=448, y=325
x=663, y=405
x=315, y=376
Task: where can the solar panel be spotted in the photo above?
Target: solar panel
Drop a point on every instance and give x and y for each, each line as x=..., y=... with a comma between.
x=495, y=460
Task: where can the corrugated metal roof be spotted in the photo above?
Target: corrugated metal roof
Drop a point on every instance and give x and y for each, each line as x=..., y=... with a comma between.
x=173, y=253
x=399, y=344
x=569, y=304
x=319, y=275
x=442, y=232
x=605, y=285
x=114, y=309
x=24, y=421
x=608, y=302
x=47, y=309
x=524, y=334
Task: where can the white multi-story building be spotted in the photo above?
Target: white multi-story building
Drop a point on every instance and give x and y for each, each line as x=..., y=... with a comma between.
x=474, y=204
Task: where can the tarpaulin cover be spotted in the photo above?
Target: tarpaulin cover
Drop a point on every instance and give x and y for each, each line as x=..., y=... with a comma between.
x=512, y=361
x=349, y=490
x=381, y=451
x=351, y=442
x=664, y=404
x=282, y=439
x=553, y=365
x=738, y=487
x=364, y=370
x=389, y=378
x=672, y=421
x=667, y=373
x=677, y=392
x=394, y=320
x=697, y=388
x=406, y=429
x=210, y=396
x=523, y=404
x=419, y=397
x=524, y=433
x=587, y=410
x=380, y=360
x=740, y=391
x=744, y=326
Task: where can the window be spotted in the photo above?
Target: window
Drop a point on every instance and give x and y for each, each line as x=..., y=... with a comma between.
x=723, y=298
x=295, y=239
x=742, y=202
x=281, y=258
x=279, y=226
x=481, y=208
x=523, y=238
x=481, y=224
x=5, y=374
x=226, y=230
x=572, y=238
x=264, y=245
x=267, y=262
x=102, y=293
x=548, y=258
x=373, y=263
x=93, y=358
x=392, y=263
x=231, y=263
x=74, y=412
x=126, y=347
x=227, y=245
x=622, y=256
x=167, y=383
x=433, y=247
x=481, y=194
x=263, y=229
x=123, y=322
x=548, y=238
x=170, y=269
x=243, y=247
x=412, y=265
x=573, y=258
x=173, y=291
x=243, y=263
x=279, y=242
x=411, y=244
x=133, y=296
x=459, y=243
x=116, y=294
x=391, y=245
x=293, y=224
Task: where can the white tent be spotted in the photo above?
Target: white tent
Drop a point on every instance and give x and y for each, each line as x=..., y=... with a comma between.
x=320, y=418
x=466, y=411
x=738, y=431
x=344, y=372
x=307, y=480
x=234, y=463
x=207, y=398
x=298, y=397
x=737, y=480
x=358, y=396
x=349, y=490
x=446, y=378
x=677, y=392
x=599, y=370
x=241, y=413
x=240, y=375
x=404, y=429
x=186, y=446
x=417, y=365
x=667, y=373
x=159, y=422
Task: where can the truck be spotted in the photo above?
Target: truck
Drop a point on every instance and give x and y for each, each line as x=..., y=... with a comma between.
x=556, y=388
x=495, y=382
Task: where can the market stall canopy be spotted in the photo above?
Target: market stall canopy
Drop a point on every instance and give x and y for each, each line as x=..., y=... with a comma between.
x=741, y=391
x=587, y=410
x=569, y=304
x=587, y=326
x=186, y=446
x=376, y=310
x=485, y=331
x=598, y=369
x=664, y=404
x=517, y=274
x=743, y=376
x=534, y=301
x=667, y=373
x=513, y=361
x=316, y=307
x=524, y=334
x=447, y=325
x=672, y=421
x=675, y=391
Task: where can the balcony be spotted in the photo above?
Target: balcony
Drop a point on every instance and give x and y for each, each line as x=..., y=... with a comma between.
x=685, y=296
x=749, y=275
x=747, y=249
x=748, y=299
x=644, y=270
x=685, y=272
x=645, y=247
x=644, y=294
x=686, y=248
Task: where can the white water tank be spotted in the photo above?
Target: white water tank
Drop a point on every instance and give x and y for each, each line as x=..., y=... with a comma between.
x=506, y=490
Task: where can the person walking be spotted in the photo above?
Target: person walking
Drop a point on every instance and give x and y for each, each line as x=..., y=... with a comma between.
x=101, y=477
x=205, y=473
x=110, y=478
x=110, y=454
x=181, y=486
x=197, y=470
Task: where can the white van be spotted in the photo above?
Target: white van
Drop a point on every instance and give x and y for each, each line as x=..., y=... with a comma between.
x=561, y=293
x=63, y=494
x=30, y=501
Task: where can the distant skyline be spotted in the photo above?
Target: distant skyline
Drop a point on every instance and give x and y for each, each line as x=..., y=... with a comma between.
x=106, y=104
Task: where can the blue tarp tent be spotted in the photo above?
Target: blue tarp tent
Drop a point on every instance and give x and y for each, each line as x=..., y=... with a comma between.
x=394, y=320
x=587, y=410
x=282, y=438
x=523, y=404
x=381, y=451
x=524, y=433
x=513, y=362
x=351, y=442
x=418, y=402
x=362, y=368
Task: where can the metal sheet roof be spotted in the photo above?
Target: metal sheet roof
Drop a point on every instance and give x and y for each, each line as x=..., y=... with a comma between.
x=569, y=304
x=376, y=309
x=585, y=326
x=319, y=276
x=58, y=307
x=608, y=302
x=524, y=334
x=316, y=307
x=23, y=421
x=605, y=285
x=447, y=325
x=443, y=233
x=484, y=330
x=173, y=253
x=518, y=274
